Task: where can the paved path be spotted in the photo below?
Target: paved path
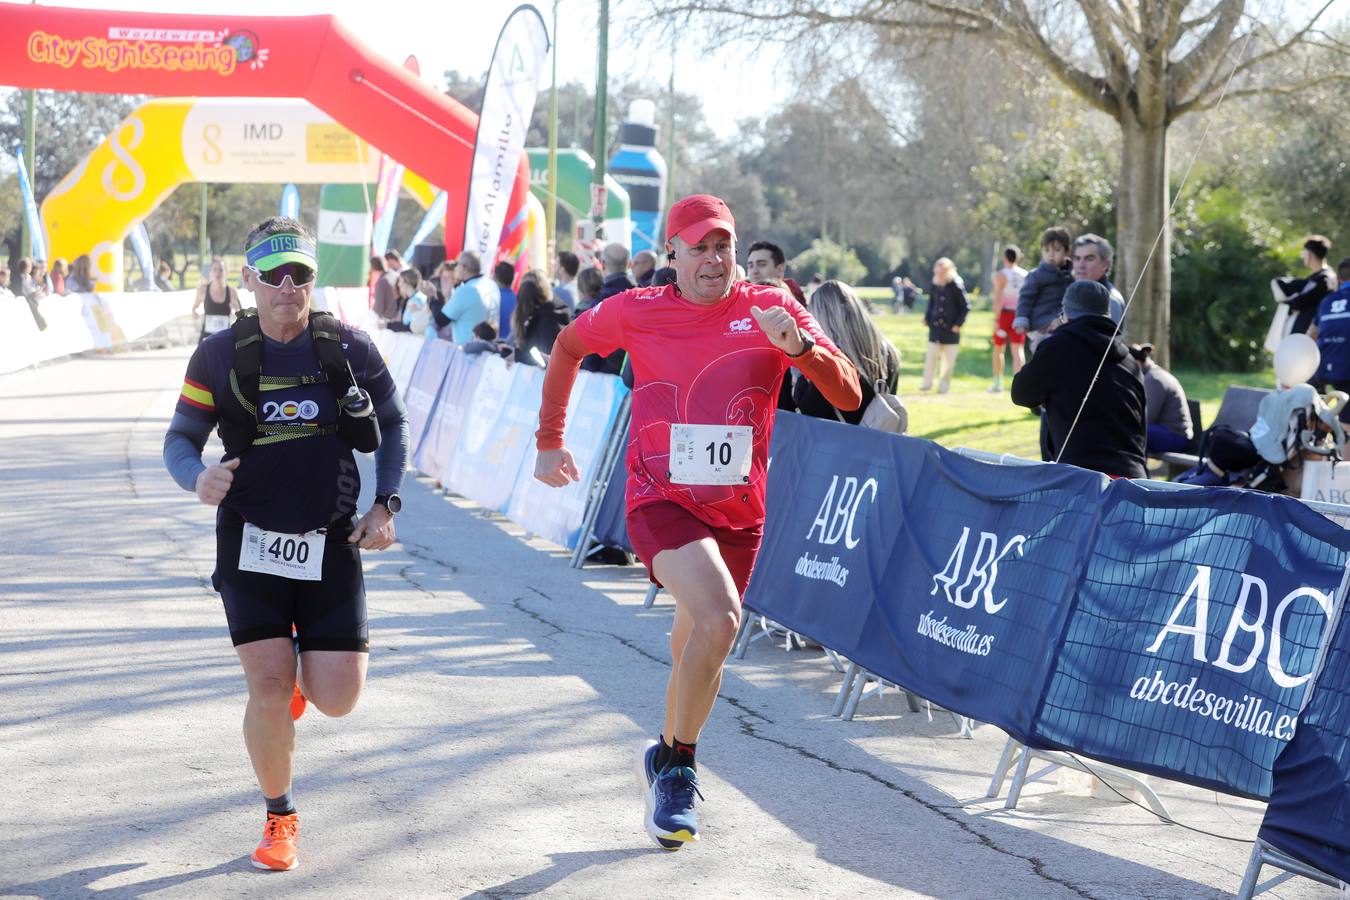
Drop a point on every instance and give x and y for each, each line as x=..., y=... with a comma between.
x=490, y=755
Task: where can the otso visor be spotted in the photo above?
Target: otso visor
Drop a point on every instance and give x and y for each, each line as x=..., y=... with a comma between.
x=275, y=250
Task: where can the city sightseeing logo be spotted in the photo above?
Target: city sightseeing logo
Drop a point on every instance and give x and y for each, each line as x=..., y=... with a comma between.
x=165, y=49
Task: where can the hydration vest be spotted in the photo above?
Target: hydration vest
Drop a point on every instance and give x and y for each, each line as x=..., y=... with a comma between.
x=248, y=383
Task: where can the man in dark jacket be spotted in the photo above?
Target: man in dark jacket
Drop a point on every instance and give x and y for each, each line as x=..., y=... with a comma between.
x=615, y=258
x=1109, y=436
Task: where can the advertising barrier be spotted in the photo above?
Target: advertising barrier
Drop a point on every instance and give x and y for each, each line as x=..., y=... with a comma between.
x=1168, y=632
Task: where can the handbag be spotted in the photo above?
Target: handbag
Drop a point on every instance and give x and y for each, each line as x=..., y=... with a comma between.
x=884, y=413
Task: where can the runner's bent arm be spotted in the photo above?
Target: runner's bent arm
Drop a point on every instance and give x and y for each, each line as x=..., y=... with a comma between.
x=561, y=374
x=832, y=373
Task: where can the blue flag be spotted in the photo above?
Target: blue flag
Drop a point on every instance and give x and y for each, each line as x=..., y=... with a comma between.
x=435, y=216
x=290, y=201
x=30, y=209
x=140, y=245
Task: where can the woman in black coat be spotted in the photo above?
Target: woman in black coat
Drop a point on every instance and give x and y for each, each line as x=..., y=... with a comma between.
x=844, y=319
x=946, y=313
x=538, y=318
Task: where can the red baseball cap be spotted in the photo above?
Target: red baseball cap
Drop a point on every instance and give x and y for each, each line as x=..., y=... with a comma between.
x=695, y=216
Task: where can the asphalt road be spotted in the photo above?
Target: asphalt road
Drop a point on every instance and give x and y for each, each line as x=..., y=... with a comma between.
x=491, y=753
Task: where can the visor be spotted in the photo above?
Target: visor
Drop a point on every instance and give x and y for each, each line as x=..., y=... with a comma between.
x=277, y=249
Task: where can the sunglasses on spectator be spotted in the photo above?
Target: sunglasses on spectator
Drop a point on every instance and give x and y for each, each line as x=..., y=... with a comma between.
x=300, y=275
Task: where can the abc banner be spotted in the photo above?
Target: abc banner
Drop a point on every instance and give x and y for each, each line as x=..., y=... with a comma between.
x=1194, y=634
x=1309, y=811
x=945, y=575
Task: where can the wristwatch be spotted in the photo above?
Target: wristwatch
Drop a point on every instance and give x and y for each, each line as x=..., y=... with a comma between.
x=391, y=502
x=807, y=344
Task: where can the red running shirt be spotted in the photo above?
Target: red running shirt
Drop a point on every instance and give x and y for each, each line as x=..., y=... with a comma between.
x=695, y=364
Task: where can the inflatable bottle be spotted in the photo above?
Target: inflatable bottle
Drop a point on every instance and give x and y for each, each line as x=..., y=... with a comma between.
x=642, y=171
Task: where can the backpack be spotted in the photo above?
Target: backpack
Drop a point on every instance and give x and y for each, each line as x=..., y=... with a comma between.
x=884, y=413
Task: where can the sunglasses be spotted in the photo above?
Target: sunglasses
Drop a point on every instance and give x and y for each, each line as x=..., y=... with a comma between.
x=300, y=275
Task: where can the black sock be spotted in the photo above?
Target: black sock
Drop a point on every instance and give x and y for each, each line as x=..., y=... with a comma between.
x=280, y=806
x=662, y=754
x=682, y=754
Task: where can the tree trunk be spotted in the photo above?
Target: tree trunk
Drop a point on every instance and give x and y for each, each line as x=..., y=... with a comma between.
x=1141, y=213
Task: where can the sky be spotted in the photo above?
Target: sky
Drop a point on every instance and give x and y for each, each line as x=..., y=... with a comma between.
x=464, y=40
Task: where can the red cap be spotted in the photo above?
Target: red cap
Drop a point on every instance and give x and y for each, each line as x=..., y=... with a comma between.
x=695, y=216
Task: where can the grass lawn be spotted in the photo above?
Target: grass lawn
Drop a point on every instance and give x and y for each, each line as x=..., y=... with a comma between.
x=970, y=416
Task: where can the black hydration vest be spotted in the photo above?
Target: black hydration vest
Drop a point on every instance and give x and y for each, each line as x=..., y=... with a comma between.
x=247, y=384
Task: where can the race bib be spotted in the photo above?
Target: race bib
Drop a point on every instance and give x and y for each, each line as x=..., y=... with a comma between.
x=295, y=556
x=216, y=323
x=710, y=454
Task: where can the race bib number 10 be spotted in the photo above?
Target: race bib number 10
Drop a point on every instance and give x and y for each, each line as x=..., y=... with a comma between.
x=710, y=454
x=295, y=556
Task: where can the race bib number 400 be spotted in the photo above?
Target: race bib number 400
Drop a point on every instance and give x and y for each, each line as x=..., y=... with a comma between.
x=216, y=323
x=710, y=454
x=295, y=556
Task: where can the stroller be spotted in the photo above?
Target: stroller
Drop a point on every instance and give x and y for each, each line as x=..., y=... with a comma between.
x=1289, y=423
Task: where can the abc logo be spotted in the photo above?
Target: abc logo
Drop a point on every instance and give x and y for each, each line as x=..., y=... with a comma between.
x=739, y=325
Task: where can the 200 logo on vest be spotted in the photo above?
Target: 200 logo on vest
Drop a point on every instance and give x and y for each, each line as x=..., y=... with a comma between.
x=289, y=410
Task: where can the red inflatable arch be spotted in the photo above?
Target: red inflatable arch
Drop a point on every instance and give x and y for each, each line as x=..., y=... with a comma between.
x=311, y=57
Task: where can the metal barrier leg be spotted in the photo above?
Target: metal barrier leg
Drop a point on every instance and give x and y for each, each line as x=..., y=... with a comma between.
x=746, y=634
x=835, y=660
x=652, y=591
x=845, y=689
x=1254, y=863
x=1019, y=779
x=860, y=680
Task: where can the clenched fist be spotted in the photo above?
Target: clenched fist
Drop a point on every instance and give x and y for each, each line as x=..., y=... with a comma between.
x=780, y=328
x=214, y=482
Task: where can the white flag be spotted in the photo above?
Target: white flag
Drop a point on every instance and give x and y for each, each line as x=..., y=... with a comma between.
x=508, y=102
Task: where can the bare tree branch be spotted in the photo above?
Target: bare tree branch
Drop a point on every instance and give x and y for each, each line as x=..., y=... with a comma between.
x=1200, y=104
x=1200, y=62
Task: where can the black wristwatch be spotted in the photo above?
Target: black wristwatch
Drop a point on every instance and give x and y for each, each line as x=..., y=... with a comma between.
x=391, y=502
x=807, y=344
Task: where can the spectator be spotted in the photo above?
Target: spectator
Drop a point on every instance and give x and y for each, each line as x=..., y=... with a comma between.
x=377, y=270
x=484, y=340
x=1333, y=337
x=845, y=321
x=644, y=264
x=539, y=317
x=766, y=264
x=387, y=307
x=1109, y=433
x=1304, y=295
x=1042, y=297
x=163, y=273
x=665, y=275
x=589, y=284
x=58, y=277
x=41, y=286
x=445, y=279
x=1166, y=414
x=416, y=305
x=911, y=295
x=23, y=281
x=1007, y=287
x=502, y=275
x=217, y=301
x=5, y=292
x=590, y=292
x=79, y=281
x=946, y=313
x=475, y=300
x=1092, y=262
x=615, y=259
x=566, y=273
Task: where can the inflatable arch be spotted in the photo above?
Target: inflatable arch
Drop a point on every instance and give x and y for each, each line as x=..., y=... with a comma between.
x=310, y=57
x=166, y=143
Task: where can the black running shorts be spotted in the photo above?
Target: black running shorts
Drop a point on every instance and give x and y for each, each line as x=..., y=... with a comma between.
x=328, y=614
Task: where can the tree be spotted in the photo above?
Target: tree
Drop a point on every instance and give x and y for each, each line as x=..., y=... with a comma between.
x=68, y=127
x=1144, y=63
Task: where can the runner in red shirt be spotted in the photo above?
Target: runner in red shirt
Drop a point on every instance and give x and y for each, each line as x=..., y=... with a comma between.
x=708, y=357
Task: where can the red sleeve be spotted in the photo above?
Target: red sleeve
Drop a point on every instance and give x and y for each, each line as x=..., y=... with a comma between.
x=561, y=373
x=601, y=326
x=829, y=369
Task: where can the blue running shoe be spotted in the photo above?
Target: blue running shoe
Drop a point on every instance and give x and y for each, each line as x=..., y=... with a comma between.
x=670, y=805
x=646, y=773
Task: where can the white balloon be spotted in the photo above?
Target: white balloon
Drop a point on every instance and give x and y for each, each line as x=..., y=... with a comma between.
x=1296, y=359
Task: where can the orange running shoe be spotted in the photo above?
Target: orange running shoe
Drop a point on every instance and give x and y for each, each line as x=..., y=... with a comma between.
x=298, y=702
x=277, y=850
